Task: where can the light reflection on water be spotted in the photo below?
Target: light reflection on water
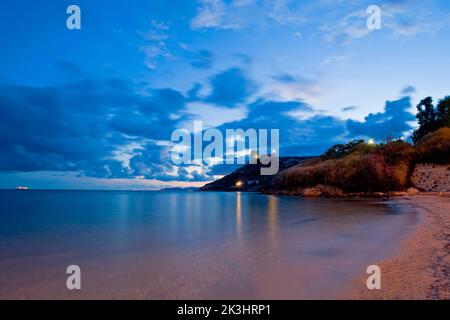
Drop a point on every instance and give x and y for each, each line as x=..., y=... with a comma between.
x=238, y=216
x=191, y=245
x=272, y=222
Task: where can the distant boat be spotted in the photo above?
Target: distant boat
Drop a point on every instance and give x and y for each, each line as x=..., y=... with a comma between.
x=21, y=188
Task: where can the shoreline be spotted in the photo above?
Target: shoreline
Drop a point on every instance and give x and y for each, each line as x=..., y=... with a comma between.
x=420, y=269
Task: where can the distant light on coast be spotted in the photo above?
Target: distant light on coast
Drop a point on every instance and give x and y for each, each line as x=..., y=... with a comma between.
x=239, y=184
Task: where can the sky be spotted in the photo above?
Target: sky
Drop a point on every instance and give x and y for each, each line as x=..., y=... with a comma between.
x=95, y=108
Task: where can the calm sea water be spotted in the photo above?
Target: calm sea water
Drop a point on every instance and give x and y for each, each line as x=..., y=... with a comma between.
x=191, y=245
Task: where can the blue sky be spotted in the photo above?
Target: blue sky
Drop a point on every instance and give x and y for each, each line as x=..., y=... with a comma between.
x=95, y=108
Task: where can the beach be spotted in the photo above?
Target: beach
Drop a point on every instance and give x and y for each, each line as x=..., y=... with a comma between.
x=421, y=267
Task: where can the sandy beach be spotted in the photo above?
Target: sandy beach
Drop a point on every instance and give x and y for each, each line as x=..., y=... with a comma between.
x=421, y=267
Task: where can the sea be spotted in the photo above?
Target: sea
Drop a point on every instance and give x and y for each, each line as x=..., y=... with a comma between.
x=192, y=245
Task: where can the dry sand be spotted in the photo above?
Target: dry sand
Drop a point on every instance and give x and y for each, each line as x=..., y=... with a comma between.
x=421, y=268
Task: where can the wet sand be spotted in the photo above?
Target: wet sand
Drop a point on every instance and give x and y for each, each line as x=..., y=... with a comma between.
x=421, y=267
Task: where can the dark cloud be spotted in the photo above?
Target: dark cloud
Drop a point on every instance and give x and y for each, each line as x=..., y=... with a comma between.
x=285, y=78
x=347, y=109
x=40, y=131
x=390, y=123
x=244, y=58
x=153, y=162
x=80, y=126
x=230, y=88
x=408, y=90
x=296, y=135
x=152, y=115
x=202, y=59
x=193, y=93
x=84, y=124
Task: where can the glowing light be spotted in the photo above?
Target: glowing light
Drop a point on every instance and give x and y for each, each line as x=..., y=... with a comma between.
x=239, y=184
x=370, y=142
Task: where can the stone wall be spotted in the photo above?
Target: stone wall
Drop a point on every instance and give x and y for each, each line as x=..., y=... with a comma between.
x=431, y=177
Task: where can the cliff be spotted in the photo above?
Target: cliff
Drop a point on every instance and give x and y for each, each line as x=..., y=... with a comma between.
x=249, y=178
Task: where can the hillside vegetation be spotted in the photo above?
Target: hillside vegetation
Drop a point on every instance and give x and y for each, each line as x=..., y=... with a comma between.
x=363, y=167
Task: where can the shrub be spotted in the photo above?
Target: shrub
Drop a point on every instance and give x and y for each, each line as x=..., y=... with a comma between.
x=366, y=169
x=358, y=167
x=340, y=150
x=434, y=147
x=396, y=152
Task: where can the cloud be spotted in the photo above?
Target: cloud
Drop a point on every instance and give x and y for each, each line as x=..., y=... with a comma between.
x=82, y=126
x=156, y=49
x=393, y=122
x=211, y=14
x=284, y=12
x=403, y=19
x=297, y=136
x=347, y=29
x=287, y=87
x=112, y=128
x=285, y=77
x=194, y=93
x=106, y=127
x=244, y=58
x=41, y=133
x=234, y=14
x=336, y=59
x=400, y=17
x=230, y=88
x=314, y=133
x=211, y=115
x=408, y=90
x=347, y=109
x=337, y=25
x=202, y=59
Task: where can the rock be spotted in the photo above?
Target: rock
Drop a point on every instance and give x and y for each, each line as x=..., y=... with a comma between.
x=330, y=191
x=399, y=193
x=431, y=177
x=412, y=191
x=380, y=194
x=312, y=192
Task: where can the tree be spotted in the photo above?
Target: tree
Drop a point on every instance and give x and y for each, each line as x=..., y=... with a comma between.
x=430, y=118
x=427, y=118
x=443, y=112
